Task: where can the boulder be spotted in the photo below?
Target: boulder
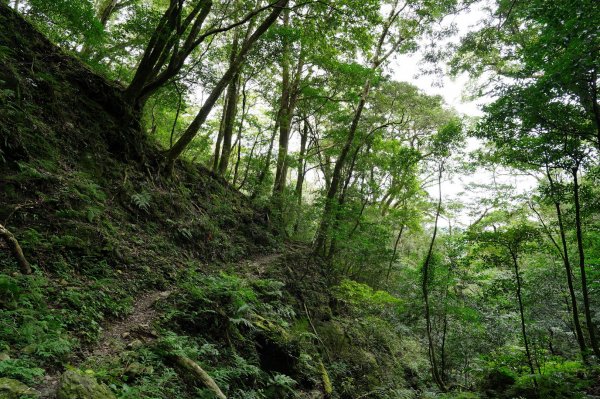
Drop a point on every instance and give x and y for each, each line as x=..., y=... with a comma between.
x=13, y=389
x=136, y=369
x=77, y=385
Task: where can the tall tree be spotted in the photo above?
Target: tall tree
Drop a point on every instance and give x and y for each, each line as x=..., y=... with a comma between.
x=435, y=371
x=513, y=239
x=230, y=111
x=532, y=130
x=564, y=252
x=289, y=95
x=225, y=80
x=404, y=22
x=178, y=33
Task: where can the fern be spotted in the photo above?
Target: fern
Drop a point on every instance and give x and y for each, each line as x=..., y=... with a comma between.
x=283, y=383
x=20, y=369
x=142, y=200
x=186, y=233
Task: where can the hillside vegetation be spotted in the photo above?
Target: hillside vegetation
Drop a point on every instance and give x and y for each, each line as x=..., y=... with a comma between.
x=217, y=199
x=100, y=229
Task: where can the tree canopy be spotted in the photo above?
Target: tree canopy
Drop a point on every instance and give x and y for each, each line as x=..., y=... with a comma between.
x=302, y=109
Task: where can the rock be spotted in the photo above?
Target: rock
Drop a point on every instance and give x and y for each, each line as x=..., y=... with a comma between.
x=314, y=394
x=164, y=294
x=76, y=385
x=135, y=344
x=13, y=389
x=136, y=369
x=145, y=330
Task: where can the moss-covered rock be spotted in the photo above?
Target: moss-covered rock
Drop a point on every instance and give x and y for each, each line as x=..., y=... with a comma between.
x=76, y=385
x=327, y=386
x=13, y=389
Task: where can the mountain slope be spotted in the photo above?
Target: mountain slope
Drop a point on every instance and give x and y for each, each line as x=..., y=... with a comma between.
x=82, y=192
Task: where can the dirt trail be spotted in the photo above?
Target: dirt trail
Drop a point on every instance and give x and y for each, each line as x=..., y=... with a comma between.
x=116, y=335
x=258, y=265
x=138, y=324
x=140, y=320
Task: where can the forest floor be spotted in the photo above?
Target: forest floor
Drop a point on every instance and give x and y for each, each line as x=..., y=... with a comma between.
x=130, y=268
x=136, y=328
x=116, y=336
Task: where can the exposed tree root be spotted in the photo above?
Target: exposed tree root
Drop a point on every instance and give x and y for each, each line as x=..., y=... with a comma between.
x=193, y=367
x=12, y=242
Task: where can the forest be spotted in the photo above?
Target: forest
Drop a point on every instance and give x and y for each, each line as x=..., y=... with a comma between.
x=270, y=199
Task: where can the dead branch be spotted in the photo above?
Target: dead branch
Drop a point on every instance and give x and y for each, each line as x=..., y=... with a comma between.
x=12, y=242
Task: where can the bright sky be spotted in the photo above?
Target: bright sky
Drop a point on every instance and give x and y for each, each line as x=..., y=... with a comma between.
x=406, y=68
x=455, y=93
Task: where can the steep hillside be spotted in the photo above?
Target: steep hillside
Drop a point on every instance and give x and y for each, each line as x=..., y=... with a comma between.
x=134, y=273
x=79, y=194
x=73, y=155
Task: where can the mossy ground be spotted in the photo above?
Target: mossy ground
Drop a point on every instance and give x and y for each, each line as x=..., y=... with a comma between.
x=81, y=190
x=81, y=193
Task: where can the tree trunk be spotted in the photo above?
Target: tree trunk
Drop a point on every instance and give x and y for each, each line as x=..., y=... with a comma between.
x=568, y=271
x=219, y=143
x=301, y=173
x=236, y=169
x=289, y=98
x=595, y=106
x=231, y=72
x=339, y=204
x=105, y=11
x=231, y=109
x=265, y=169
x=377, y=60
x=443, y=345
x=443, y=361
x=522, y=314
x=584, y=287
x=301, y=163
x=327, y=172
x=249, y=162
x=425, y=288
x=166, y=52
x=177, y=113
x=206, y=380
x=155, y=48
x=336, y=178
x=393, y=258
x=284, y=112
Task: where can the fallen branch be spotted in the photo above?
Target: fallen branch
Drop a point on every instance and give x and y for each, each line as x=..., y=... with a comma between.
x=194, y=368
x=16, y=249
x=315, y=331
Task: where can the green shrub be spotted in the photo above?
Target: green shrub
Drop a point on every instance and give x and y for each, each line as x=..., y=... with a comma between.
x=364, y=298
x=21, y=370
